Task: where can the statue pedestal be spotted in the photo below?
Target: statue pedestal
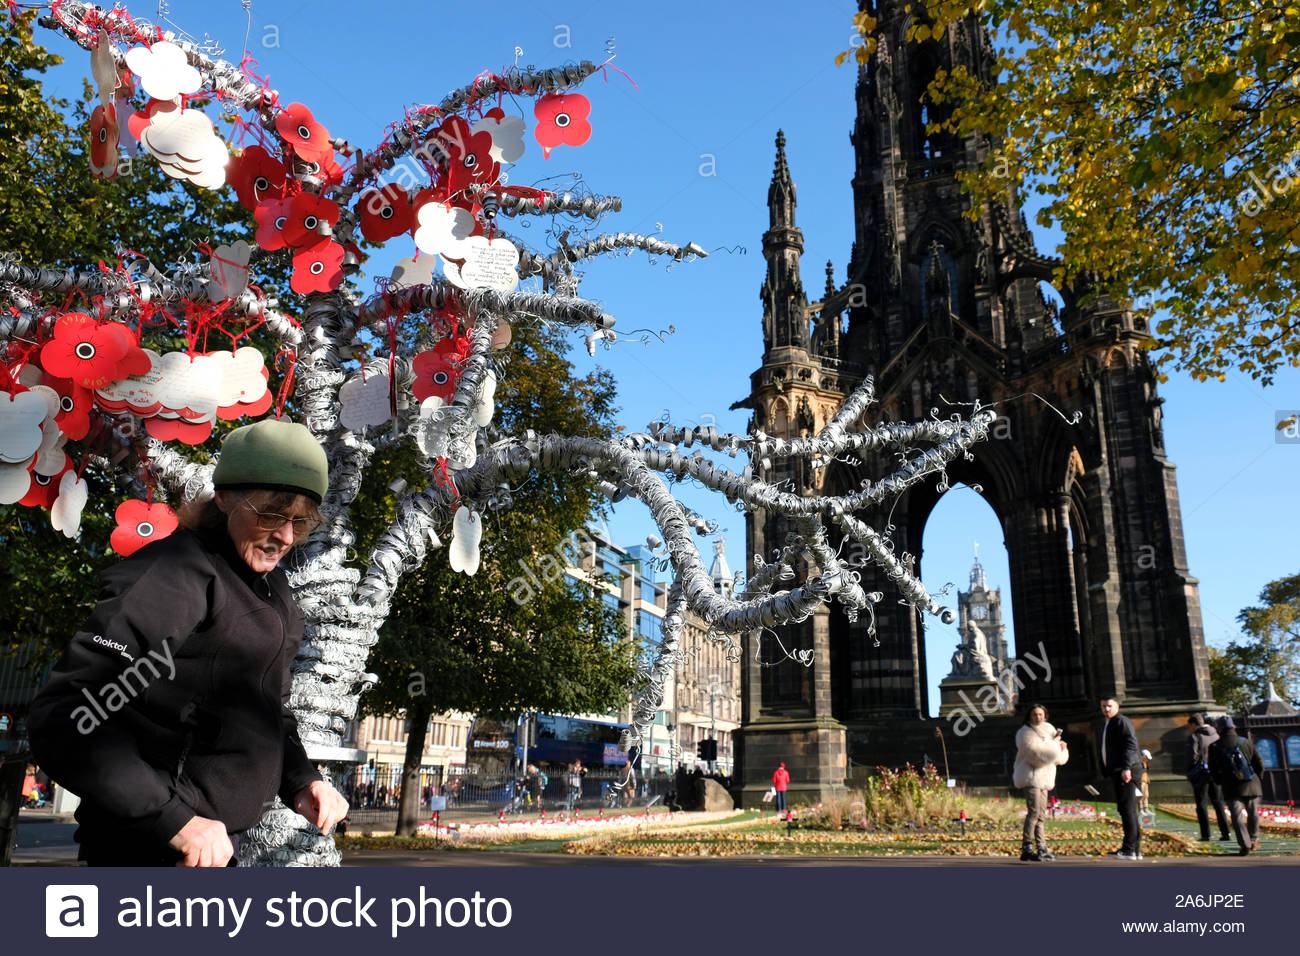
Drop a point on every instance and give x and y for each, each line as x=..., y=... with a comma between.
x=977, y=697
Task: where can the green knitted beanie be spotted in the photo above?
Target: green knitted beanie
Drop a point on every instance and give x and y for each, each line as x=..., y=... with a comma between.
x=274, y=455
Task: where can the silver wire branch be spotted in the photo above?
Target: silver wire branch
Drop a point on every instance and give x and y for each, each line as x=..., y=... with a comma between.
x=217, y=74
x=184, y=480
x=592, y=207
x=661, y=671
x=122, y=294
x=409, y=135
x=441, y=295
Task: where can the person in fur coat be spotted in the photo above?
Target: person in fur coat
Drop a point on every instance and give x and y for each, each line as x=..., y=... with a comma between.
x=1039, y=751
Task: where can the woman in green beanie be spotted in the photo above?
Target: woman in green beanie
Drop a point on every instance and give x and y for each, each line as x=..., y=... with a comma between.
x=168, y=713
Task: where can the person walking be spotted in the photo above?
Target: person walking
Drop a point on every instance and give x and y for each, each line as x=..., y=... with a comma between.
x=1039, y=751
x=1204, y=788
x=193, y=637
x=574, y=782
x=780, y=781
x=1236, y=765
x=1121, y=760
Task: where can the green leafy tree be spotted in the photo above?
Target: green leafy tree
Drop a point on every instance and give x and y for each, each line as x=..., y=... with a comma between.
x=517, y=635
x=1242, y=672
x=1162, y=136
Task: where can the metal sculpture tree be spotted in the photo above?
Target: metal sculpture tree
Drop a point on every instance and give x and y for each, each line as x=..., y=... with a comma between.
x=71, y=368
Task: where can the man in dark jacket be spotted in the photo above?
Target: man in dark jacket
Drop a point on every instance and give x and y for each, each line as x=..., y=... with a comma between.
x=1121, y=760
x=168, y=713
x=1204, y=787
x=1230, y=772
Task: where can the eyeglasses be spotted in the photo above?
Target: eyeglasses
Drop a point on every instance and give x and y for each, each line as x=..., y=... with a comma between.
x=271, y=521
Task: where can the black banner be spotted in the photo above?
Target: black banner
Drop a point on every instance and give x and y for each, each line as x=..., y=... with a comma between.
x=645, y=907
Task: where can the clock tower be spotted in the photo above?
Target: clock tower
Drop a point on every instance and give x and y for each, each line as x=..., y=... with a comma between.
x=981, y=659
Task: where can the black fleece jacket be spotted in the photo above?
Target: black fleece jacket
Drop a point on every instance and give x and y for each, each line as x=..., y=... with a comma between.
x=172, y=699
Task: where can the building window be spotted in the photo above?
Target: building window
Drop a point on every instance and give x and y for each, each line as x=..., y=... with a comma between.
x=650, y=627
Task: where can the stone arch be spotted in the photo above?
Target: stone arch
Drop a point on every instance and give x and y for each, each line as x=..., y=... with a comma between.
x=778, y=418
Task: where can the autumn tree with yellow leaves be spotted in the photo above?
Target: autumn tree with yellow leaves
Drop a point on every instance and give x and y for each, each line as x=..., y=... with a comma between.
x=1164, y=138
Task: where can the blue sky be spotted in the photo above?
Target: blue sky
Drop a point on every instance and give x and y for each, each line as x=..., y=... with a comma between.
x=690, y=150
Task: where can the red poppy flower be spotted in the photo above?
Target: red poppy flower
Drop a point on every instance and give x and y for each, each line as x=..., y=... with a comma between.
x=436, y=371
x=318, y=269
x=306, y=213
x=135, y=361
x=256, y=176
x=103, y=142
x=385, y=213
x=299, y=128
x=75, y=402
x=43, y=488
x=562, y=121
x=83, y=350
x=177, y=429
x=326, y=169
x=139, y=523
x=271, y=216
x=469, y=154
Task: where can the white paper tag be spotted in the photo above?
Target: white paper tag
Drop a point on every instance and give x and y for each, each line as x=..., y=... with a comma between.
x=413, y=272
x=15, y=480
x=65, y=516
x=466, y=533
x=20, y=426
x=443, y=229
x=488, y=265
x=507, y=134
x=187, y=147
x=229, y=269
x=485, y=406
x=163, y=70
x=103, y=69
x=365, y=404
x=49, y=459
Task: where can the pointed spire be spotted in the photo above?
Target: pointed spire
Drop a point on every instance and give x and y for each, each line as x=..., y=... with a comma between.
x=780, y=170
x=720, y=572
x=784, y=302
x=830, y=279
x=978, y=580
x=780, y=195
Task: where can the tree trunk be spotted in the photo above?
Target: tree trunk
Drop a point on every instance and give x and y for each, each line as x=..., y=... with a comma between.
x=408, y=808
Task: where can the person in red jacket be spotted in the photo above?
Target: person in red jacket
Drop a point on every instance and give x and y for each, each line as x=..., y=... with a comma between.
x=780, y=781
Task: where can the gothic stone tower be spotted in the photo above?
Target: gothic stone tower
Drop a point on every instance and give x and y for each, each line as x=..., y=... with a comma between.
x=939, y=307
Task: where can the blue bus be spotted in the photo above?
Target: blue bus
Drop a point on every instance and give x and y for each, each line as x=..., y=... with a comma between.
x=493, y=746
